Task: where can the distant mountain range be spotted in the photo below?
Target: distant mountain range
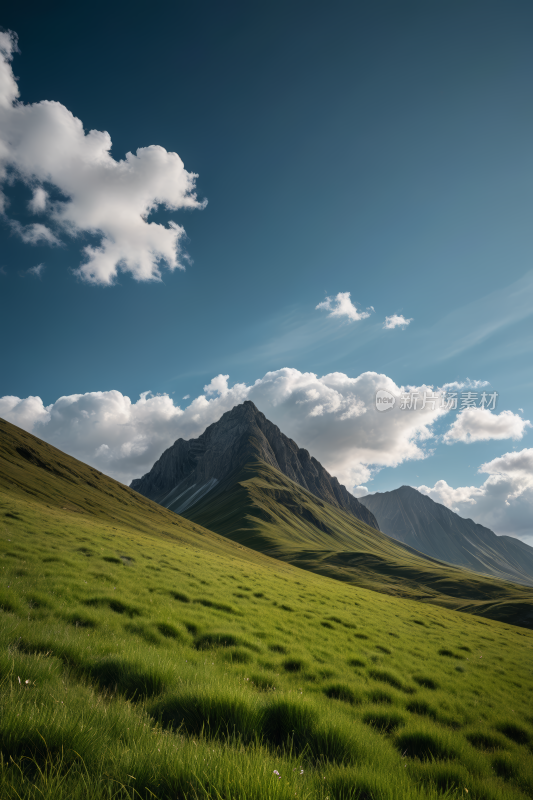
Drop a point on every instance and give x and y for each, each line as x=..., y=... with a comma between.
x=415, y=519
x=190, y=471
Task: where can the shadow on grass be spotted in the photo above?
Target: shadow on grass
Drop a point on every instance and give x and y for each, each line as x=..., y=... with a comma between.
x=211, y=715
x=422, y=708
x=294, y=664
x=514, y=732
x=425, y=682
x=222, y=639
x=170, y=631
x=384, y=721
x=386, y=676
x=118, y=606
x=339, y=691
x=482, y=740
x=133, y=681
x=425, y=746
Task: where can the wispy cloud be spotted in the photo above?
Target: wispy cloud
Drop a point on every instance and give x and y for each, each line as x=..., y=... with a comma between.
x=36, y=233
x=472, y=324
x=37, y=270
x=342, y=306
x=396, y=321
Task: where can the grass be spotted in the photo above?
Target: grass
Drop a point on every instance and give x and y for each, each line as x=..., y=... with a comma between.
x=263, y=509
x=114, y=686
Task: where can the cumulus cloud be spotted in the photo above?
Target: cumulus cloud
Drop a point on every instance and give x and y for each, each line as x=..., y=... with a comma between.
x=342, y=306
x=503, y=503
x=396, y=321
x=44, y=145
x=27, y=413
x=333, y=416
x=480, y=425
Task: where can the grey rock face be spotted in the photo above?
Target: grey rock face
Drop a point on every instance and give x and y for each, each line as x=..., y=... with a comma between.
x=411, y=517
x=189, y=470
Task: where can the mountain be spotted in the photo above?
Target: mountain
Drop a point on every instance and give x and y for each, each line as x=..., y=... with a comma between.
x=415, y=519
x=220, y=482
x=191, y=470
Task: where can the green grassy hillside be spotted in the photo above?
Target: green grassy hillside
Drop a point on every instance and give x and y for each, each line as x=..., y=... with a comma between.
x=142, y=657
x=264, y=510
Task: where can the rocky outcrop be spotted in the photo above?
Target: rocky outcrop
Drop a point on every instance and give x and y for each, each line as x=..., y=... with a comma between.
x=189, y=470
x=413, y=518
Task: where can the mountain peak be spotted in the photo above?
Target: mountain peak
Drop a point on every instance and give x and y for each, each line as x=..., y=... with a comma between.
x=189, y=470
x=415, y=519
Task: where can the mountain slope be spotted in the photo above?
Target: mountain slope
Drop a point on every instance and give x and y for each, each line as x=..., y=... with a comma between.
x=220, y=482
x=191, y=470
x=142, y=656
x=411, y=517
x=73, y=493
x=261, y=508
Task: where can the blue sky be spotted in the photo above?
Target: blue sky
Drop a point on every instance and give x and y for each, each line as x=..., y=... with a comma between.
x=381, y=149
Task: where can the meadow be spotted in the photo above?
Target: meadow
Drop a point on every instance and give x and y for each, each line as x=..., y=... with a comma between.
x=263, y=509
x=142, y=656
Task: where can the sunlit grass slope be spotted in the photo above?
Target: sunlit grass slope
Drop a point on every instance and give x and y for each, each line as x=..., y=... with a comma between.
x=141, y=659
x=263, y=509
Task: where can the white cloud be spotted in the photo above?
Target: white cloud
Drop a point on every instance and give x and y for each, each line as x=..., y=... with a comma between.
x=342, y=306
x=396, y=321
x=333, y=416
x=45, y=144
x=360, y=491
x=503, y=503
x=37, y=270
x=481, y=425
x=218, y=385
x=35, y=233
x=185, y=397
x=26, y=413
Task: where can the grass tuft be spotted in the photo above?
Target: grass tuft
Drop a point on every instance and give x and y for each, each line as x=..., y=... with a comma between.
x=484, y=740
x=384, y=721
x=425, y=745
x=294, y=664
x=515, y=732
x=132, y=680
x=214, y=715
x=341, y=691
x=170, y=631
x=427, y=683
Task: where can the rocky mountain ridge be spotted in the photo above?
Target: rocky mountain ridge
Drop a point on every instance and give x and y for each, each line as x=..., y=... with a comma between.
x=190, y=470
